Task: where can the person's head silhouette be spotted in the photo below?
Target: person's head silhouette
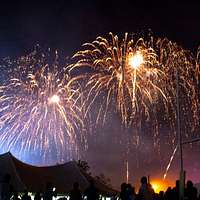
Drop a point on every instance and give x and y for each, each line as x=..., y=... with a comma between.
x=177, y=183
x=189, y=184
x=123, y=186
x=144, y=180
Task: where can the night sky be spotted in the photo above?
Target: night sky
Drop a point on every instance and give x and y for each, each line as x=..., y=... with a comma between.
x=65, y=25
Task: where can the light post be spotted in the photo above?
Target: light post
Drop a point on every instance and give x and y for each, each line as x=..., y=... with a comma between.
x=182, y=174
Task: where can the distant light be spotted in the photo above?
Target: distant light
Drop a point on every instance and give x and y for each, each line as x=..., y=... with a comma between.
x=155, y=187
x=54, y=99
x=136, y=60
x=158, y=186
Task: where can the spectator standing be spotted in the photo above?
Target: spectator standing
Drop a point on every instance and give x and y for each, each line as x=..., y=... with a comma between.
x=26, y=196
x=92, y=192
x=49, y=192
x=146, y=192
x=75, y=193
x=6, y=188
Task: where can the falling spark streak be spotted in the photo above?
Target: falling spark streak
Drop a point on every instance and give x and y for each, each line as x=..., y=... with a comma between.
x=127, y=171
x=170, y=162
x=39, y=110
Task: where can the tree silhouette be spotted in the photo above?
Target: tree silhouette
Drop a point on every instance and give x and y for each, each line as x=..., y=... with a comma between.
x=84, y=166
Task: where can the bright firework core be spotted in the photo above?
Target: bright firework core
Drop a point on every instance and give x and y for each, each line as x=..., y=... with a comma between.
x=135, y=60
x=54, y=99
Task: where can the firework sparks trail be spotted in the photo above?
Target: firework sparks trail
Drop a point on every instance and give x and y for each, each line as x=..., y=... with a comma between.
x=127, y=171
x=170, y=162
x=137, y=77
x=39, y=109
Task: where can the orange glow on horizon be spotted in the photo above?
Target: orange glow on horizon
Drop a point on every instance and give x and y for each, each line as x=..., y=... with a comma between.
x=159, y=185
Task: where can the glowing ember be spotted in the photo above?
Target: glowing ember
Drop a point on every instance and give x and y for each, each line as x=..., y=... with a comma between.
x=54, y=99
x=136, y=60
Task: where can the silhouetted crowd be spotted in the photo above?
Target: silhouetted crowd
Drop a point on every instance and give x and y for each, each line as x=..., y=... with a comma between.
x=7, y=192
x=146, y=192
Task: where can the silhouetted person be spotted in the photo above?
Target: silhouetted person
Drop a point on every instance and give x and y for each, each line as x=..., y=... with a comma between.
x=156, y=196
x=75, y=193
x=175, y=191
x=145, y=192
x=131, y=195
x=38, y=196
x=168, y=194
x=6, y=188
x=49, y=193
x=161, y=195
x=190, y=191
x=15, y=196
x=25, y=196
x=92, y=193
x=123, y=193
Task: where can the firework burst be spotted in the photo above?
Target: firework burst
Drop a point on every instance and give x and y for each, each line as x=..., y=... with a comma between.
x=138, y=76
x=119, y=69
x=39, y=110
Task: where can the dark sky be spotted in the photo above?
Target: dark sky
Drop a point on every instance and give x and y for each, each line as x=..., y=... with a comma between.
x=66, y=24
